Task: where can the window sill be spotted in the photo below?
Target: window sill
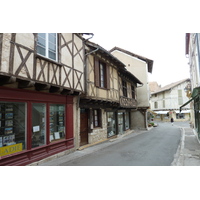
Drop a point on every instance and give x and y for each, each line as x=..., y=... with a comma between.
x=47, y=59
x=97, y=128
x=103, y=88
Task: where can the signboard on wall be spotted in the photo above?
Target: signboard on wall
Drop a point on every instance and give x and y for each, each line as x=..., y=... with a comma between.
x=10, y=149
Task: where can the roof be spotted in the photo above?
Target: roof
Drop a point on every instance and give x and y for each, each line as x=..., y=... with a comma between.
x=106, y=53
x=153, y=86
x=148, y=61
x=170, y=86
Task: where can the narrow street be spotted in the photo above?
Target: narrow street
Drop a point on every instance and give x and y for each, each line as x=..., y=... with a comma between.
x=155, y=147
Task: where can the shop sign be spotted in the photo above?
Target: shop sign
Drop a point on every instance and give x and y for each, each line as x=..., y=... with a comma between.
x=10, y=149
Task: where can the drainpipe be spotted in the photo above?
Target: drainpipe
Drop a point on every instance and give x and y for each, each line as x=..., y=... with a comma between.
x=85, y=67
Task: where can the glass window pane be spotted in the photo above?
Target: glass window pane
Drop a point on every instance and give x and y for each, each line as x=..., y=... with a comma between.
x=52, y=47
x=38, y=124
x=52, y=38
x=41, y=44
x=41, y=50
x=52, y=55
x=12, y=125
x=57, y=122
x=111, y=130
x=127, y=120
x=42, y=35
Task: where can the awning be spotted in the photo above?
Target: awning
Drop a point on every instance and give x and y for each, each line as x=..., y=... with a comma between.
x=187, y=102
x=162, y=112
x=185, y=111
x=195, y=94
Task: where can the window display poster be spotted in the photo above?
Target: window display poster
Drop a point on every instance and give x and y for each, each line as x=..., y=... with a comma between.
x=9, y=123
x=51, y=138
x=9, y=108
x=9, y=140
x=9, y=115
x=57, y=135
x=8, y=130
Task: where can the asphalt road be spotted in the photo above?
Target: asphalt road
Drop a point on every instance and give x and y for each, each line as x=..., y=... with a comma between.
x=155, y=147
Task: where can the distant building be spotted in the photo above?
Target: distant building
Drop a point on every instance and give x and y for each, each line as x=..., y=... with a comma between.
x=167, y=100
x=153, y=86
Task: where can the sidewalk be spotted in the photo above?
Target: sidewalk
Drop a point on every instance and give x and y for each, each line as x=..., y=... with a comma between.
x=188, y=153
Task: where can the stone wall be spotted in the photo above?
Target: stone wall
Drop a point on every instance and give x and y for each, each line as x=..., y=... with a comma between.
x=99, y=134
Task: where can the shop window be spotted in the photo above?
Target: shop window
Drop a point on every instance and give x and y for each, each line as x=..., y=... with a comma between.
x=13, y=125
x=111, y=124
x=180, y=116
x=57, y=122
x=97, y=118
x=38, y=124
x=158, y=116
x=127, y=120
x=120, y=122
x=47, y=45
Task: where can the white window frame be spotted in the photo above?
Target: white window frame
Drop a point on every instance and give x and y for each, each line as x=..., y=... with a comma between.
x=47, y=47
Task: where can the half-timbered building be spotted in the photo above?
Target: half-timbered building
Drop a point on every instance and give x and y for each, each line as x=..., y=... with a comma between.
x=110, y=95
x=41, y=78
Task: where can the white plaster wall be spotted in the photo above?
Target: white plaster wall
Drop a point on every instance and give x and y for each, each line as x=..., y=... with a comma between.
x=25, y=39
x=138, y=120
x=66, y=57
x=6, y=52
x=139, y=69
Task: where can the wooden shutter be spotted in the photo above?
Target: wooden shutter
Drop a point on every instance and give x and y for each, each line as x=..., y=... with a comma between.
x=108, y=77
x=96, y=72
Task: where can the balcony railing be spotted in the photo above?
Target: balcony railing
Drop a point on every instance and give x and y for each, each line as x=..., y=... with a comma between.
x=128, y=102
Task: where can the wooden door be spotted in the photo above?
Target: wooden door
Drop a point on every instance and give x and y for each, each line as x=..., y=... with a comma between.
x=83, y=127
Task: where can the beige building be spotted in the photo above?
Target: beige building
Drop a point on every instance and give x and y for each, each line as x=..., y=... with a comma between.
x=167, y=100
x=109, y=98
x=140, y=67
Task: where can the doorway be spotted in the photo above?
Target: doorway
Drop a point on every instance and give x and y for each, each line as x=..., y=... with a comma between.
x=83, y=127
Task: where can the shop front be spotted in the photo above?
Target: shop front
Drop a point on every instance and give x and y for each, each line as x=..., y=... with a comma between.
x=118, y=122
x=33, y=125
x=123, y=121
x=111, y=124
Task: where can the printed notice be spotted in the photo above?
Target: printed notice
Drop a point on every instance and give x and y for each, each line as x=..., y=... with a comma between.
x=57, y=135
x=36, y=128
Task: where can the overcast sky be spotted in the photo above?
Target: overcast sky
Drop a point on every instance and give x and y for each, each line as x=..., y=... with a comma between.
x=166, y=49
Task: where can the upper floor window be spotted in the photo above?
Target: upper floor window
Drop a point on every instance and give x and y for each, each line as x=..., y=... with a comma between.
x=47, y=45
x=124, y=88
x=102, y=73
x=133, y=92
x=102, y=76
